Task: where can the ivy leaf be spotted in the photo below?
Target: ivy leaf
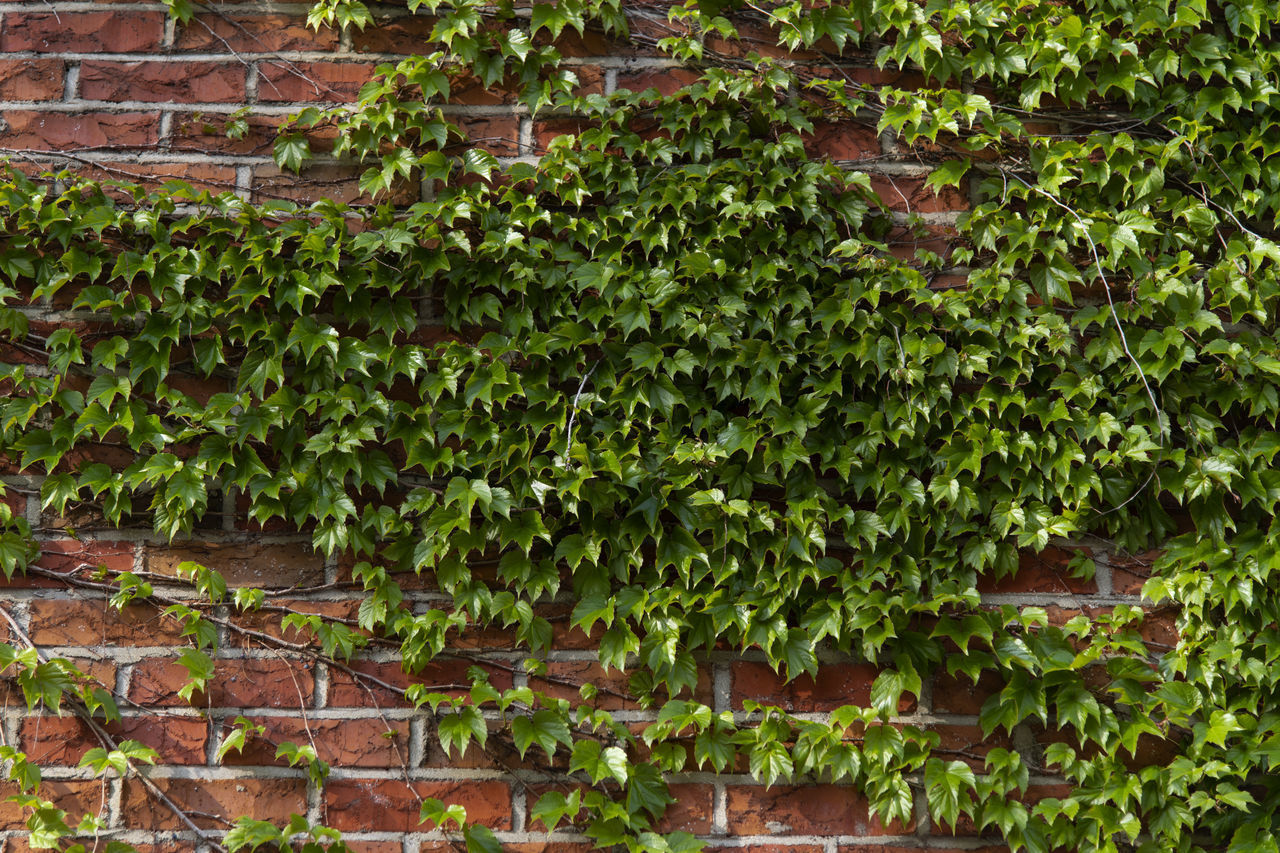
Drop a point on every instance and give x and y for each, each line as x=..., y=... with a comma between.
x=291, y=152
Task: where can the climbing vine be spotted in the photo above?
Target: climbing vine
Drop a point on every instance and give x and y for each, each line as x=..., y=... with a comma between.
x=718, y=392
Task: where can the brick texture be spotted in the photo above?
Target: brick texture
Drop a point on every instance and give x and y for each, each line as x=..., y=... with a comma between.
x=133, y=98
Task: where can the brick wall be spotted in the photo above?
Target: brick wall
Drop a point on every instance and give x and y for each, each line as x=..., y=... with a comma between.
x=114, y=89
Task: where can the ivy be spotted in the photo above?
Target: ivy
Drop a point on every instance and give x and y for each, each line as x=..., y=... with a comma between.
x=698, y=381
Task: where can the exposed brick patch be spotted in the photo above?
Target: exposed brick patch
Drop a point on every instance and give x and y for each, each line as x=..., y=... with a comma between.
x=802, y=810
x=392, y=806
x=75, y=131
x=243, y=564
x=80, y=32
x=64, y=740
x=312, y=81
x=162, y=82
x=31, y=79
x=237, y=683
x=248, y=33
x=260, y=799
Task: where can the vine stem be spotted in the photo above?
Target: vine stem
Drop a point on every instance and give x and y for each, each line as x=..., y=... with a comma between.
x=108, y=742
x=1161, y=420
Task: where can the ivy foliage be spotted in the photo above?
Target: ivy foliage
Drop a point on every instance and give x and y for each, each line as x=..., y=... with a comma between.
x=715, y=391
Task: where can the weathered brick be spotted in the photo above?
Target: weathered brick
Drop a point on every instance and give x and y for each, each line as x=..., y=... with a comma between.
x=564, y=678
x=58, y=131
x=802, y=810
x=269, y=566
x=357, y=742
x=668, y=81
x=1128, y=574
x=312, y=81
x=443, y=676
x=1045, y=571
x=81, y=32
x=163, y=82
x=150, y=176
x=691, y=811
x=202, y=132
x=546, y=130
x=392, y=805
x=76, y=798
x=336, y=182
x=31, y=79
x=499, y=135
x=65, y=555
x=247, y=33
x=403, y=35
x=842, y=141
x=911, y=195
x=959, y=695
x=237, y=683
x=772, y=848
x=835, y=685
x=207, y=800
x=966, y=743
x=71, y=622
x=64, y=740
x=897, y=848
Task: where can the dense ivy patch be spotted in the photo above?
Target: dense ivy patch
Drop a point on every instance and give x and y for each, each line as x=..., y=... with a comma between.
x=702, y=381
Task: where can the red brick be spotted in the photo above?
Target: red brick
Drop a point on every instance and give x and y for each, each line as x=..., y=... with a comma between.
x=269, y=621
x=1046, y=571
x=64, y=740
x=1160, y=628
x=614, y=693
x=229, y=31
x=65, y=555
x=499, y=136
x=958, y=695
x=51, y=131
x=237, y=683
x=31, y=79
x=1128, y=574
x=164, y=82
x=590, y=43
x=691, y=812
x=312, y=81
x=391, y=805
x=359, y=742
x=205, y=133
x=835, y=685
x=207, y=800
x=772, y=848
x=335, y=182
x=668, y=81
x=62, y=622
x=911, y=195
x=151, y=176
x=880, y=848
x=444, y=676
x=405, y=35
x=842, y=141
x=966, y=743
x=546, y=130
x=272, y=566
x=522, y=847
x=907, y=243
x=802, y=810
x=76, y=798
x=81, y=32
